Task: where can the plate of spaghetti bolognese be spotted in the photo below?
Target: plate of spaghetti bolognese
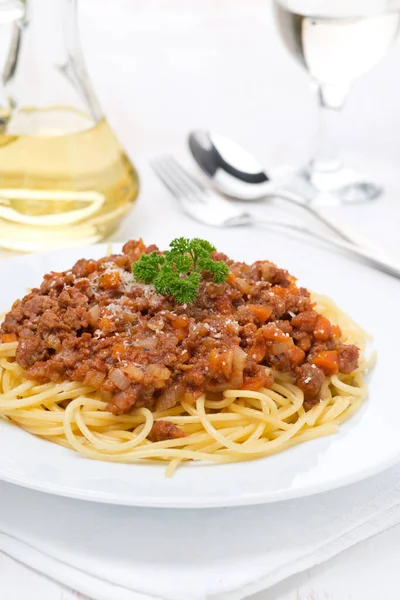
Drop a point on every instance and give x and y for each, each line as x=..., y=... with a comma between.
x=182, y=377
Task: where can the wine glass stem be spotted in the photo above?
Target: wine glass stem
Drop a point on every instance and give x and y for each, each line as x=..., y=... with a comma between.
x=327, y=152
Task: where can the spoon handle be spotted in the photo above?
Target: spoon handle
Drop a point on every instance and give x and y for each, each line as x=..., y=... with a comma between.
x=366, y=254
x=382, y=263
x=346, y=235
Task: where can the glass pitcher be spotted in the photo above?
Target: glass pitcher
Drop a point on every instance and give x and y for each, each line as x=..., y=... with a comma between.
x=64, y=179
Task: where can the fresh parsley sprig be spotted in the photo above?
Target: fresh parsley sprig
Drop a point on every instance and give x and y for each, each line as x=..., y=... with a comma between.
x=179, y=270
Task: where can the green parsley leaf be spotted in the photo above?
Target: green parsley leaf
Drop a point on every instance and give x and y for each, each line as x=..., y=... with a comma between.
x=146, y=269
x=179, y=270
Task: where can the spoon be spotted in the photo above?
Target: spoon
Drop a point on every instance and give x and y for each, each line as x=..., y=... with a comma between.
x=236, y=173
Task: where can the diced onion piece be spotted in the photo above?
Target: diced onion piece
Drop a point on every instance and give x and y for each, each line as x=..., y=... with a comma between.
x=94, y=315
x=282, y=347
x=190, y=398
x=243, y=285
x=119, y=379
x=129, y=317
x=94, y=378
x=266, y=271
x=134, y=373
x=150, y=343
x=170, y=397
x=156, y=324
x=159, y=375
x=238, y=365
x=53, y=342
x=159, y=371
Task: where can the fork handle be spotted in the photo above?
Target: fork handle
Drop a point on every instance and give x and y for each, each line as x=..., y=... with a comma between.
x=366, y=254
x=348, y=236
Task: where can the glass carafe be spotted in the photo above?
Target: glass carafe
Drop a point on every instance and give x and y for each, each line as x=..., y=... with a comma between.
x=64, y=178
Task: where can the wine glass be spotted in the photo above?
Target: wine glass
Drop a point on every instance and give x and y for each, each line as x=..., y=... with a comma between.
x=336, y=41
x=11, y=10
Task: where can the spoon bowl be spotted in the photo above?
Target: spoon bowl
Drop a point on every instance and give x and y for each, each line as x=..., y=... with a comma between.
x=232, y=170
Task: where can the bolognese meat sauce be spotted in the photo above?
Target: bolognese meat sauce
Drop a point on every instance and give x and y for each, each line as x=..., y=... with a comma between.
x=97, y=325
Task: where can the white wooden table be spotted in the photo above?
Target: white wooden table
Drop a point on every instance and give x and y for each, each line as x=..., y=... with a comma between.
x=163, y=67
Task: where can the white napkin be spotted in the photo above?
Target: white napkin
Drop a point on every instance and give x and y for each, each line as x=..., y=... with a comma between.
x=122, y=553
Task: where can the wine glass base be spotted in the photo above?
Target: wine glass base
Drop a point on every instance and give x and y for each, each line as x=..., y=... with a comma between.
x=334, y=188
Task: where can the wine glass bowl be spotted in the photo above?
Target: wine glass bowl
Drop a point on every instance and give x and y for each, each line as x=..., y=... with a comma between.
x=335, y=42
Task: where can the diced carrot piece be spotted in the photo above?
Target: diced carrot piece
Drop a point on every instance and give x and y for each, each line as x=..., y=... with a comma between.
x=260, y=312
x=220, y=362
x=180, y=322
x=118, y=351
x=110, y=280
x=183, y=355
x=106, y=325
x=272, y=333
x=296, y=355
x=6, y=338
x=322, y=329
x=253, y=383
x=327, y=361
x=257, y=350
x=336, y=331
x=231, y=278
x=181, y=333
x=280, y=291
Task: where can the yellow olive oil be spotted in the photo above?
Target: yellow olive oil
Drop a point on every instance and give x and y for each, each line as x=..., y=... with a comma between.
x=65, y=181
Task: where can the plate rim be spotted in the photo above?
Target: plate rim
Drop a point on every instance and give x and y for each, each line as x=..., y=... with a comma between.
x=206, y=503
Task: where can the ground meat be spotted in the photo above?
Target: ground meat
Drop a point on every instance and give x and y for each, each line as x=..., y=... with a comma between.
x=299, y=302
x=284, y=326
x=84, y=267
x=31, y=350
x=310, y=379
x=95, y=324
x=305, y=321
x=164, y=430
x=272, y=274
x=303, y=340
x=348, y=358
x=50, y=320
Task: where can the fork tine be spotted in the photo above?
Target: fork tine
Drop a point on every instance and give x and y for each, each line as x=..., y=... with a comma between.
x=191, y=184
x=163, y=174
x=172, y=179
x=204, y=207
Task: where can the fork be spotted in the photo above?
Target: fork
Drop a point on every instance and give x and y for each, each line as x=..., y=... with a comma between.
x=206, y=207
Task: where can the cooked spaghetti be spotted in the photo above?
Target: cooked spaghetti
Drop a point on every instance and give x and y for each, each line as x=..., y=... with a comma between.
x=102, y=363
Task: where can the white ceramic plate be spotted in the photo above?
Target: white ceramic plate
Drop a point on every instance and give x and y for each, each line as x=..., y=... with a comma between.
x=366, y=444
